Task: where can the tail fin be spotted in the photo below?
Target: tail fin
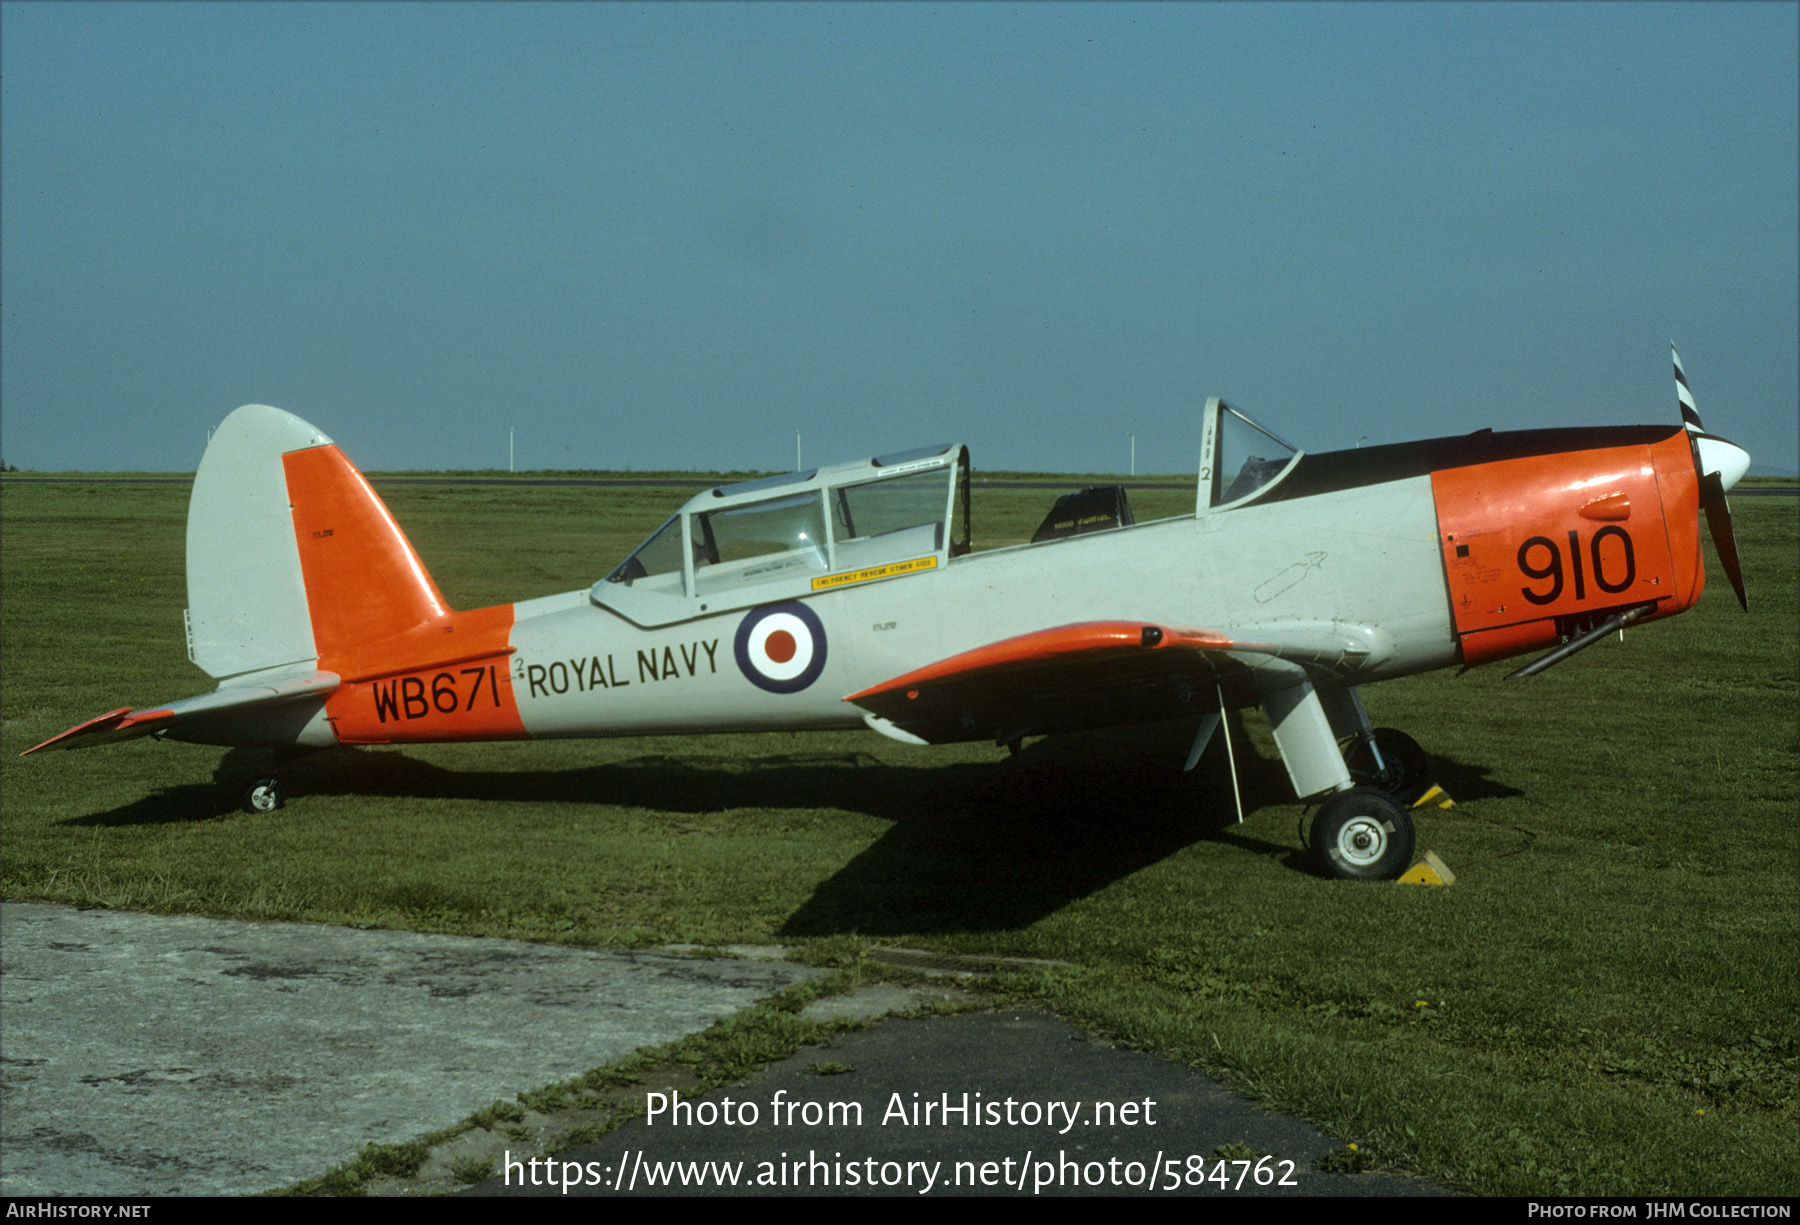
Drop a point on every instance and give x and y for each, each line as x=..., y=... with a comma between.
x=308, y=604
x=292, y=558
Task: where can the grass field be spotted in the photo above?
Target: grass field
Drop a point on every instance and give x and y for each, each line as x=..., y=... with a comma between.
x=1605, y=1002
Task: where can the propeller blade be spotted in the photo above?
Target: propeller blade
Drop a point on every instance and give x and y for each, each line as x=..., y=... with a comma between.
x=1719, y=465
x=1718, y=518
x=1684, y=399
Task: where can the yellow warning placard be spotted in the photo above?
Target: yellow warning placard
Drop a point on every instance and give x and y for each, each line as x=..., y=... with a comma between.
x=873, y=572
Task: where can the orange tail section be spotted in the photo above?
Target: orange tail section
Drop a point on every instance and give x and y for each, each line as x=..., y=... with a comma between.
x=364, y=582
x=413, y=668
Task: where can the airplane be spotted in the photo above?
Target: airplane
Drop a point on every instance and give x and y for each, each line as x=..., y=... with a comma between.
x=849, y=596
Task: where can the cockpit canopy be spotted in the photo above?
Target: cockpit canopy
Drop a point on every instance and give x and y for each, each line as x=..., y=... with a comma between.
x=780, y=536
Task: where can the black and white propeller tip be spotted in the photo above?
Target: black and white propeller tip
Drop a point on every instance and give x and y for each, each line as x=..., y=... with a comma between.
x=1720, y=464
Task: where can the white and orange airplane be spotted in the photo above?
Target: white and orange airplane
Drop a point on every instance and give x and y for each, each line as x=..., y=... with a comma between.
x=848, y=596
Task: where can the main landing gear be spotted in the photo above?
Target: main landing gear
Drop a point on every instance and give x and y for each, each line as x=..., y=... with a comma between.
x=1363, y=831
x=1368, y=776
x=1363, y=834
x=1366, y=833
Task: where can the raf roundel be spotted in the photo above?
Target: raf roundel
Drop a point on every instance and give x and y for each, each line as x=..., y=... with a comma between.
x=781, y=648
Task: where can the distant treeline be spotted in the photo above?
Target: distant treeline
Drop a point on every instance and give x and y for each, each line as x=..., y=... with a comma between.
x=698, y=479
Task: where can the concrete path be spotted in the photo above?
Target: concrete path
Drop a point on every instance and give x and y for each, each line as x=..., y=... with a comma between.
x=153, y=1055
x=149, y=1055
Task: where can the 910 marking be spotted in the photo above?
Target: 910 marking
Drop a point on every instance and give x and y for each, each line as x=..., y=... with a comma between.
x=1553, y=568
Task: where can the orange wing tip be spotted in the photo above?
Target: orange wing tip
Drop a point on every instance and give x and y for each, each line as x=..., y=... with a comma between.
x=120, y=724
x=1065, y=642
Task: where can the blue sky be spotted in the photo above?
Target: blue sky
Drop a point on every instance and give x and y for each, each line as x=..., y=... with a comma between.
x=670, y=235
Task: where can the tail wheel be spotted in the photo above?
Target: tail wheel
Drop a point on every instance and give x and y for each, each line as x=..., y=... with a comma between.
x=1405, y=772
x=1363, y=834
x=264, y=795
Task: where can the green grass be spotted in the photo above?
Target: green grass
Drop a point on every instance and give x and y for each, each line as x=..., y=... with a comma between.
x=1604, y=1003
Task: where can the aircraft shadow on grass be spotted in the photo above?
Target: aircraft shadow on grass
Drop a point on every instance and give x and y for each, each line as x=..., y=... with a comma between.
x=972, y=846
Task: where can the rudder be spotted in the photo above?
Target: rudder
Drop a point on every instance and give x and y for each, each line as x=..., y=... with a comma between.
x=364, y=582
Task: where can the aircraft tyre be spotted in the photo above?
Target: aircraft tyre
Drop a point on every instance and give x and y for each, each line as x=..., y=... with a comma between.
x=1363, y=834
x=264, y=795
x=1408, y=773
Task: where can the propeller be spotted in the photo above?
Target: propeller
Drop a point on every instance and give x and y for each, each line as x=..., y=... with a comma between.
x=1719, y=464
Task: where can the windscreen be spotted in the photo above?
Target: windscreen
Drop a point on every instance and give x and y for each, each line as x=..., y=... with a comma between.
x=658, y=556
x=1248, y=457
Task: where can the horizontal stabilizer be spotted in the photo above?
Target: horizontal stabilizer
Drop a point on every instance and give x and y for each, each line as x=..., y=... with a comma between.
x=239, y=699
x=121, y=724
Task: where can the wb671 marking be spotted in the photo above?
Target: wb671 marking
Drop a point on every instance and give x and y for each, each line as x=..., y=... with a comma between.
x=406, y=697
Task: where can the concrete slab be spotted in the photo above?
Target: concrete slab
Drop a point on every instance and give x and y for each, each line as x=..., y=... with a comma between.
x=868, y=1003
x=158, y=1055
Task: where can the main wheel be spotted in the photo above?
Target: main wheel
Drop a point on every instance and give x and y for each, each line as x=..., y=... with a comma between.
x=1406, y=772
x=264, y=795
x=1363, y=834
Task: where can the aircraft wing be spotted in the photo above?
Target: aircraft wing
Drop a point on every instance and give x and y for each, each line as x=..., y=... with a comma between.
x=1099, y=674
x=240, y=701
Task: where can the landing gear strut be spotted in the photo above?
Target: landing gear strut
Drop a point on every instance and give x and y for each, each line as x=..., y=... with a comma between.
x=1402, y=771
x=1363, y=834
